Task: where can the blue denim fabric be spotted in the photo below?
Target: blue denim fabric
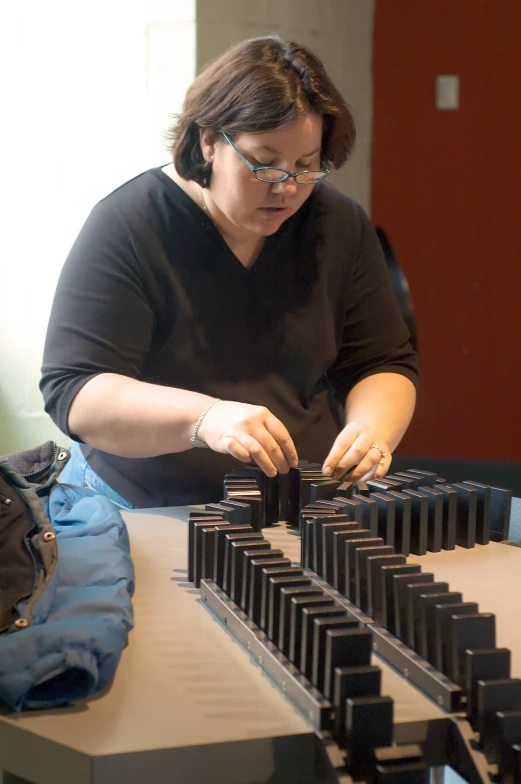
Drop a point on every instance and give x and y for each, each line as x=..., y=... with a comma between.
x=78, y=472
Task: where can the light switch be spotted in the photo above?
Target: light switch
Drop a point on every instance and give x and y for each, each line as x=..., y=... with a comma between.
x=447, y=92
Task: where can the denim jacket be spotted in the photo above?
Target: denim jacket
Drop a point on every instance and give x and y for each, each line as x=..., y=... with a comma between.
x=66, y=582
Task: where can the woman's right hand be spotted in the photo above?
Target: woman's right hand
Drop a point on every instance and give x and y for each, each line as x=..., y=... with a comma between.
x=249, y=433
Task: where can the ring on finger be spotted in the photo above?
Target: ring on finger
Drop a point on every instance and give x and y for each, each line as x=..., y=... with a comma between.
x=382, y=453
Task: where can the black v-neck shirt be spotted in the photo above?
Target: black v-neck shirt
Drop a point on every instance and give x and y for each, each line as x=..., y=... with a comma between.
x=150, y=290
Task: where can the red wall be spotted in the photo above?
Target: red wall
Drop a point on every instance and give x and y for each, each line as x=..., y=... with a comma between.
x=446, y=187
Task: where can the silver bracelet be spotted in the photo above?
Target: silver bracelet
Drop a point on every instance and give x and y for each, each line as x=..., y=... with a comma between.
x=193, y=439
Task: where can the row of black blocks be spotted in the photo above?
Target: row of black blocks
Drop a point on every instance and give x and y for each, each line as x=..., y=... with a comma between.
x=416, y=608
x=323, y=645
x=413, y=511
x=340, y=542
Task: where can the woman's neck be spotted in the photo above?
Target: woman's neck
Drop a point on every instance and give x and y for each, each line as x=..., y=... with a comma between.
x=246, y=249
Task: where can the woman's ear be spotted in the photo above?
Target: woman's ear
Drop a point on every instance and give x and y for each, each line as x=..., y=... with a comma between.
x=207, y=140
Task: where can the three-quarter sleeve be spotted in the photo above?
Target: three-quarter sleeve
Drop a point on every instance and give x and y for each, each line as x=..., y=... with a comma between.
x=375, y=338
x=101, y=320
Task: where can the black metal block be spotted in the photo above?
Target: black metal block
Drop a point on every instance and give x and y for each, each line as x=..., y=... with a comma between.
x=266, y=573
x=385, y=506
x=352, y=682
x=247, y=538
x=400, y=765
x=374, y=585
x=247, y=558
x=484, y=664
x=307, y=536
x=362, y=573
x=269, y=487
x=193, y=518
x=297, y=605
x=218, y=509
x=354, y=509
x=346, y=489
x=325, y=489
x=351, y=546
x=197, y=553
x=333, y=504
x=345, y=648
x=309, y=614
x=406, y=482
x=401, y=583
x=319, y=540
x=387, y=617
x=427, y=638
x=509, y=760
x=237, y=552
x=241, y=554
x=412, y=477
x=504, y=729
x=411, y=632
x=483, y=511
x=275, y=584
x=299, y=481
x=236, y=486
x=328, y=530
x=500, y=510
x=383, y=485
x=339, y=553
x=450, y=505
x=443, y=631
x=320, y=627
x=369, y=512
x=284, y=497
x=435, y=518
x=493, y=696
x=428, y=478
x=467, y=508
x=257, y=508
x=469, y=632
x=209, y=549
x=369, y=725
x=241, y=509
x=253, y=608
x=221, y=531
x=419, y=520
x=401, y=773
x=281, y=637
x=402, y=522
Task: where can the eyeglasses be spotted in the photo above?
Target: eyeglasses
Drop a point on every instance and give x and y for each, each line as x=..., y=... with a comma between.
x=270, y=174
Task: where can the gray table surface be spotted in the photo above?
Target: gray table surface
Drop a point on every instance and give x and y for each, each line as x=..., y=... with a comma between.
x=188, y=704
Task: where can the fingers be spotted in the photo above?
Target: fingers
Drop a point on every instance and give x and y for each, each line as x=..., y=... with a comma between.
x=246, y=448
x=284, y=442
x=249, y=433
x=348, y=452
x=378, y=470
x=355, y=456
x=267, y=443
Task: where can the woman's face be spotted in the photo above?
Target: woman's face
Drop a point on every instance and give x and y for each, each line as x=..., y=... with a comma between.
x=257, y=209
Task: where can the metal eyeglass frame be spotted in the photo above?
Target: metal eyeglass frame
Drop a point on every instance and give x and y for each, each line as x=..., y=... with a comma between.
x=286, y=174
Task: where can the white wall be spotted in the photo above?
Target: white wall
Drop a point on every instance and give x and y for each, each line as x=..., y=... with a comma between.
x=86, y=97
x=340, y=32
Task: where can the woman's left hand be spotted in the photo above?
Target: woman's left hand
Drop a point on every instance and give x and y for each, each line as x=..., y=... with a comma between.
x=358, y=454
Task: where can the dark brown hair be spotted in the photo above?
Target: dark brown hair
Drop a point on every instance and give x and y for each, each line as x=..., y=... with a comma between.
x=261, y=84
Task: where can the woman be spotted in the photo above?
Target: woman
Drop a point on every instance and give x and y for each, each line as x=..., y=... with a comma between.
x=226, y=299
